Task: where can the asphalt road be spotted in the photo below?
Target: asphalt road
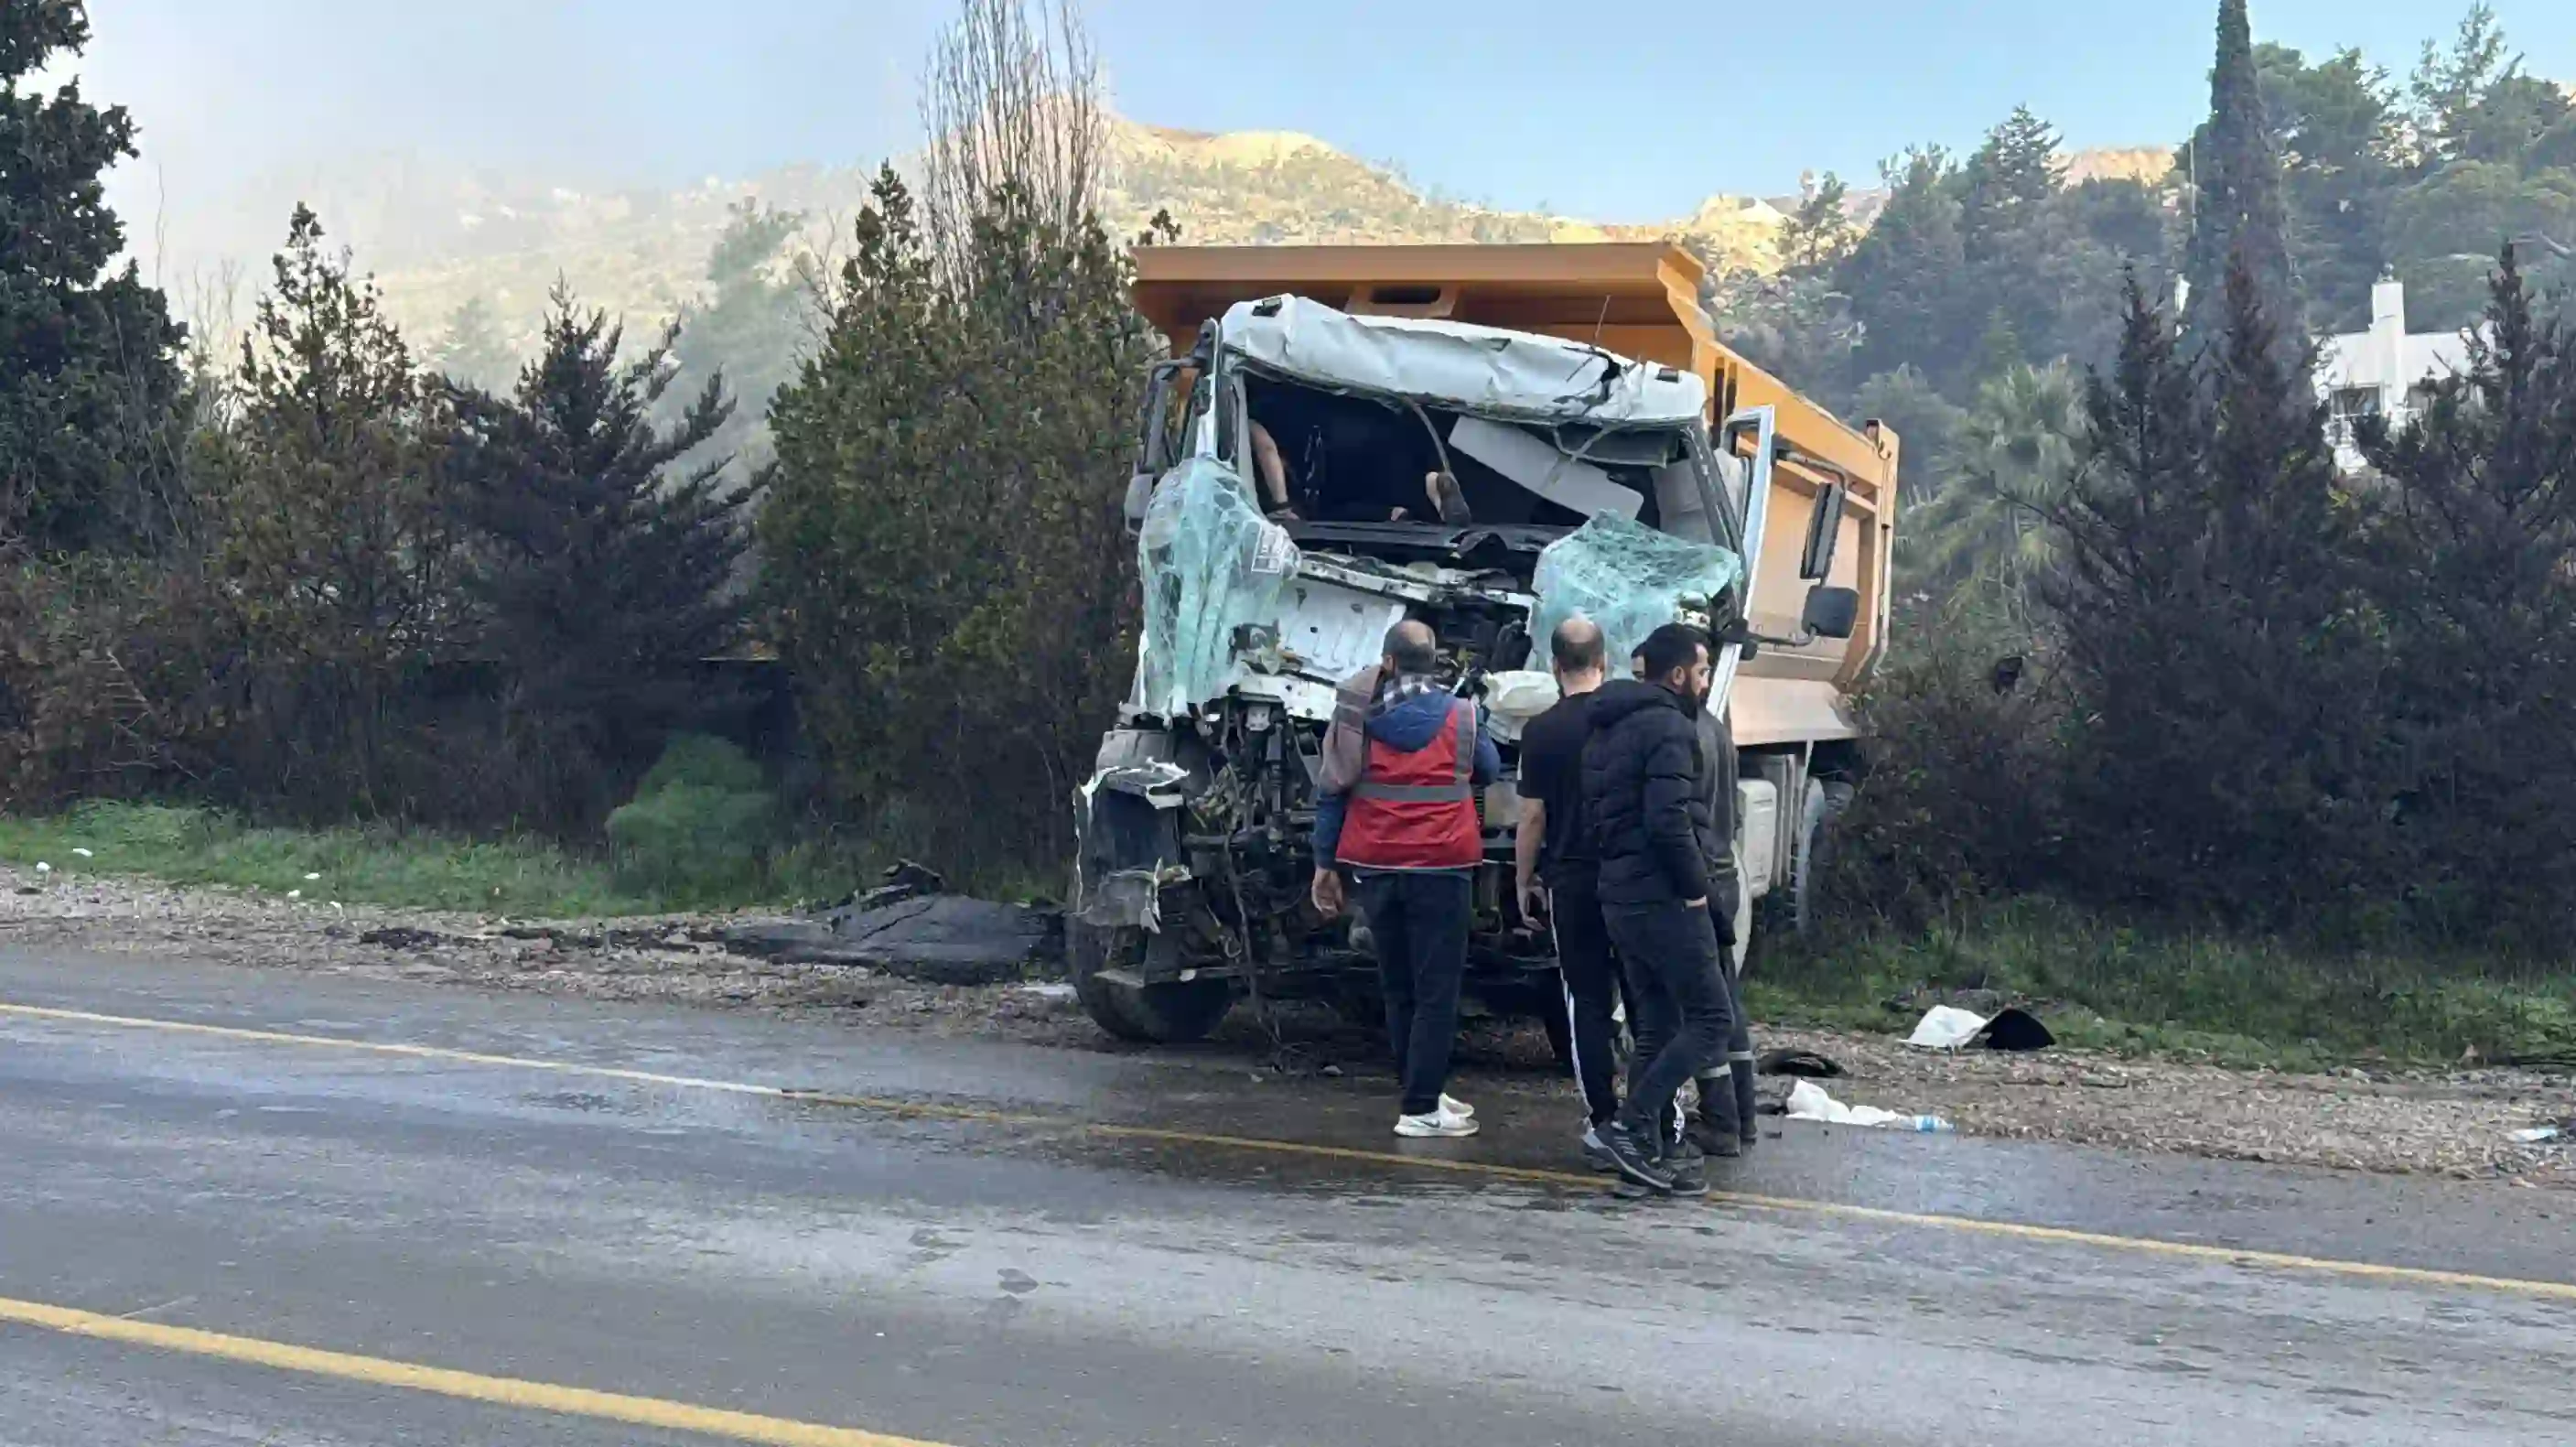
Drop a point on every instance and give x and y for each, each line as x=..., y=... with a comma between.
x=256, y=1238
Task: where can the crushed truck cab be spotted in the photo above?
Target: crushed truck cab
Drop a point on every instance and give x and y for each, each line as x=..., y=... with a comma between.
x=1310, y=474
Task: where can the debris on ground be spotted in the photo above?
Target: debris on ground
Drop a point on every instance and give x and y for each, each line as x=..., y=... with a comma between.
x=1805, y=1063
x=2442, y=1121
x=945, y=939
x=1947, y=1027
x=2013, y=1028
x=1808, y=1101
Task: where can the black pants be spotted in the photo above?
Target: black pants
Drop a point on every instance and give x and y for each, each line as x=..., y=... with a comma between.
x=1418, y=923
x=1591, y=975
x=1735, y=1083
x=1680, y=1007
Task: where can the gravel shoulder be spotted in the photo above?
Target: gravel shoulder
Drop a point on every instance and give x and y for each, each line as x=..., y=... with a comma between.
x=2456, y=1123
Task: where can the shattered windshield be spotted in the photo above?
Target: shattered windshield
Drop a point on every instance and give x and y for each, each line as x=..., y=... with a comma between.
x=1630, y=580
x=1211, y=564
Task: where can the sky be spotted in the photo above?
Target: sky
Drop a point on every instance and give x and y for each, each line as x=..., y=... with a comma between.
x=1607, y=109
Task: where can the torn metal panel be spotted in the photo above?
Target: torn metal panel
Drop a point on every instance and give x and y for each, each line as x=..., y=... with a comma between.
x=1539, y=466
x=1452, y=364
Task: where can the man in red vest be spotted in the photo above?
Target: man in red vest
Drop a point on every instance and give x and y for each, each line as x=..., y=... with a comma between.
x=1397, y=809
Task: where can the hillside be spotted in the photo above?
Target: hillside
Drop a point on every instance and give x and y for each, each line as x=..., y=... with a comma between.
x=437, y=239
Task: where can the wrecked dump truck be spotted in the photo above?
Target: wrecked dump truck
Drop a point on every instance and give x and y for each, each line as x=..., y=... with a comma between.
x=1485, y=439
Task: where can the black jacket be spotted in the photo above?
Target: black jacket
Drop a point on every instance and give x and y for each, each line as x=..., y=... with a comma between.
x=1643, y=795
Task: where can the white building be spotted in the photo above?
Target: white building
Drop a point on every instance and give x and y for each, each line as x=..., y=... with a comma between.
x=2384, y=371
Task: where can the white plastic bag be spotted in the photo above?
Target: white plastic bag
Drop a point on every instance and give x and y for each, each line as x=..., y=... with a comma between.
x=1946, y=1027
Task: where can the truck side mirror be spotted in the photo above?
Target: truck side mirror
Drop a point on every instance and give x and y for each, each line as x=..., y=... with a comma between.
x=1824, y=534
x=1830, y=612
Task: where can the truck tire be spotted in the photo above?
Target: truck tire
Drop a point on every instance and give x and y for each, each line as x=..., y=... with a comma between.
x=1826, y=800
x=1796, y=908
x=1179, y=1012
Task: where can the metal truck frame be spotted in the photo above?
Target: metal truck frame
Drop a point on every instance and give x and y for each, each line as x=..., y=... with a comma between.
x=1573, y=372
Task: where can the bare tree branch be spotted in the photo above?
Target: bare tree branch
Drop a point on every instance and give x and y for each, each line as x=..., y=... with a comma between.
x=1011, y=100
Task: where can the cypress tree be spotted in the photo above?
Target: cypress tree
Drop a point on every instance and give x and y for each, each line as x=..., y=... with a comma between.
x=2237, y=213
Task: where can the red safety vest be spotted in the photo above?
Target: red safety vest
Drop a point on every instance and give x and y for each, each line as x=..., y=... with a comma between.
x=1418, y=810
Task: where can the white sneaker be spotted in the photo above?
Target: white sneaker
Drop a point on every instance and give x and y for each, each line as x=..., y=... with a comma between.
x=1441, y=1124
x=1455, y=1106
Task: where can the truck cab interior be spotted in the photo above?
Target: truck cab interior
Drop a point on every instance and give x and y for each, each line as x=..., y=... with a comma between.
x=1362, y=462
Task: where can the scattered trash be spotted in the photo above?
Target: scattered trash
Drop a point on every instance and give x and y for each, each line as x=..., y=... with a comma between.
x=312, y=878
x=401, y=937
x=1049, y=990
x=2536, y=1134
x=295, y=894
x=903, y=880
x=1806, y=1063
x=1808, y=1101
x=2014, y=1028
x=83, y=853
x=941, y=939
x=1947, y=1027
x=43, y=868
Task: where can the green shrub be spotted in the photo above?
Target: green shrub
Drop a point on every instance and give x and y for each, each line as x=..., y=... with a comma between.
x=700, y=826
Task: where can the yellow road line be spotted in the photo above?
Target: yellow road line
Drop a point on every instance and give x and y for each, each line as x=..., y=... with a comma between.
x=442, y=1382
x=929, y=1110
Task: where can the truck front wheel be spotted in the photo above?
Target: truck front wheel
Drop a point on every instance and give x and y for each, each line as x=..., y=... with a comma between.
x=1796, y=906
x=1177, y=1012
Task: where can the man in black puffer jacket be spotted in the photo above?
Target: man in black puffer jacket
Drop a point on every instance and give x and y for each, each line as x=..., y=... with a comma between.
x=1644, y=796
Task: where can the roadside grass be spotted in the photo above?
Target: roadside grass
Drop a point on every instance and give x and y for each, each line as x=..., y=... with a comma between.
x=2182, y=994
x=405, y=867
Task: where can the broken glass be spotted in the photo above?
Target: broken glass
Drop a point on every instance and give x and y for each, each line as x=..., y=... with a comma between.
x=1629, y=579
x=1211, y=564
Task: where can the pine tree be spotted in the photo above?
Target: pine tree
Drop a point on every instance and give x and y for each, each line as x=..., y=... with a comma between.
x=940, y=530
x=2225, y=758
x=2009, y=181
x=603, y=570
x=2237, y=213
x=332, y=538
x=1819, y=233
x=90, y=380
x=1903, y=277
x=748, y=327
x=471, y=352
x=2475, y=556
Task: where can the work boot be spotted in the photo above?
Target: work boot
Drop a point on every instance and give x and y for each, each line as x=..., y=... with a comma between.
x=1689, y=1170
x=1715, y=1126
x=1635, y=1162
x=1746, y=1104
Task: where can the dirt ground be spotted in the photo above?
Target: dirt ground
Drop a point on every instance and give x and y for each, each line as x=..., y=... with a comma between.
x=2456, y=1123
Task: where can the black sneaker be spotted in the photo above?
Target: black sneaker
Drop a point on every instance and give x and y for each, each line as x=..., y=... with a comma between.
x=1631, y=1157
x=1596, y=1156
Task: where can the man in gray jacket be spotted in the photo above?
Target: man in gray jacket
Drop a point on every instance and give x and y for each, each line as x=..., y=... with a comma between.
x=1717, y=844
